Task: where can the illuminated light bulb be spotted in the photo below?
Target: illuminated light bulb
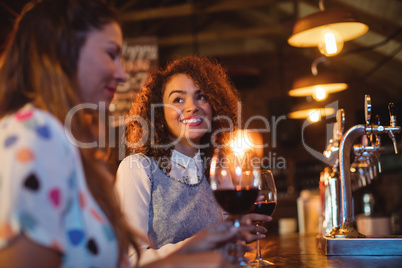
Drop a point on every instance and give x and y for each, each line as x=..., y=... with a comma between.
x=238, y=171
x=314, y=116
x=241, y=143
x=331, y=44
x=319, y=93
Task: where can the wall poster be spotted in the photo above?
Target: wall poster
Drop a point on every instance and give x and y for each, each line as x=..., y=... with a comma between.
x=139, y=58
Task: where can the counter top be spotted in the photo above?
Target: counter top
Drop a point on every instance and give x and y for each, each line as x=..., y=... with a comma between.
x=294, y=250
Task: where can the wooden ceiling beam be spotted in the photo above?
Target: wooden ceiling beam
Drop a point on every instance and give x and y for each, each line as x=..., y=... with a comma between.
x=386, y=77
x=127, y=5
x=211, y=36
x=191, y=9
x=373, y=55
x=158, y=13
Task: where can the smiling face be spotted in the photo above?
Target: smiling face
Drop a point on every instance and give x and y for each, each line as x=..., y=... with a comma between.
x=187, y=112
x=99, y=66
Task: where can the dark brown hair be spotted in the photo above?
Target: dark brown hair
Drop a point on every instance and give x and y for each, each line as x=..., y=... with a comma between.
x=213, y=81
x=39, y=66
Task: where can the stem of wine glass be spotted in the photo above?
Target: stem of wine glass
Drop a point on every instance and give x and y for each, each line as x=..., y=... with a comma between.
x=258, y=249
x=259, y=261
x=239, y=253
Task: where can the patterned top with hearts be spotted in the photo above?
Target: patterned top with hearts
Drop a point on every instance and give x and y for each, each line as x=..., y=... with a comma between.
x=44, y=195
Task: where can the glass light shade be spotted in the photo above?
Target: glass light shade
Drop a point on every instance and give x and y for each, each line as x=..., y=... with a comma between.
x=308, y=31
x=319, y=86
x=313, y=114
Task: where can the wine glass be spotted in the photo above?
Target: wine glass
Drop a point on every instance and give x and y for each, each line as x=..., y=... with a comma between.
x=235, y=178
x=266, y=205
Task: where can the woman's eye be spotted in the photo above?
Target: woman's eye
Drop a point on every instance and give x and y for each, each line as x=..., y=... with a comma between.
x=111, y=55
x=202, y=97
x=177, y=100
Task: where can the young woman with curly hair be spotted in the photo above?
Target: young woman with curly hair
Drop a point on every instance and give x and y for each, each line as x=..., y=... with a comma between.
x=175, y=123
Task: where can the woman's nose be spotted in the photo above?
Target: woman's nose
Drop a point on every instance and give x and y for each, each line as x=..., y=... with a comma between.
x=120, y=75
x=191, y=105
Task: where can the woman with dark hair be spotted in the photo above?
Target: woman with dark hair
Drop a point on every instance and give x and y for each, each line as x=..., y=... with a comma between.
x=57, y=204
x=175, y=123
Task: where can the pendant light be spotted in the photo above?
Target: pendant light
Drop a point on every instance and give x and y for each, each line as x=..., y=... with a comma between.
x=327, y=30
x=310, y=112
x=319, y=86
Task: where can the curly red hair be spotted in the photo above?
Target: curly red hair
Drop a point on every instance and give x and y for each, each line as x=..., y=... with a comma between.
x=213, y=81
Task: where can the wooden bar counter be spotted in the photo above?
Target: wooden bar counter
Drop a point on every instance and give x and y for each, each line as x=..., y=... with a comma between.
x=294, y=250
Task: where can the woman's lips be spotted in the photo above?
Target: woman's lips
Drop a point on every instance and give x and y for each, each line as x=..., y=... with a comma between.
x=111, y=90
x=192, y=121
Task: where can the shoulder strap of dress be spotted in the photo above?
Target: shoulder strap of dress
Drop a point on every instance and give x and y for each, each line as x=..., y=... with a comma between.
x=149, y=166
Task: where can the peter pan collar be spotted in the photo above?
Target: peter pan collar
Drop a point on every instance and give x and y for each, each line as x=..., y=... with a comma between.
x=186, y=169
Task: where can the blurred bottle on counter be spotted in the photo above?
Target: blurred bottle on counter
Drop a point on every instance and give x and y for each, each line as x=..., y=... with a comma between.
x=396, y=223
x=368, y=204
x=308, y=211
x=372, y=221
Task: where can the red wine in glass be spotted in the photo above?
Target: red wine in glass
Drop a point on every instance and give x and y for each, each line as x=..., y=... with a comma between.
x=235, y=201
x=264, y=207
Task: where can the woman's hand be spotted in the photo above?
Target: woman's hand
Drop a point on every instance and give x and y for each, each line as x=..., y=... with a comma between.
x=250, y=230
x=253, y=232
x=212, y=238
x=220, y=238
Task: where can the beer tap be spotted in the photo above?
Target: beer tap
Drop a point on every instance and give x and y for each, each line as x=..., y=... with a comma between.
x=393, y=128
x=329, y=179
x=347, y=229
x=366, y=165
x=378, y=145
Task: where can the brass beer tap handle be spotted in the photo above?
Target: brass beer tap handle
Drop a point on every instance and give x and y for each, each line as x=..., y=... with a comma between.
x=392, y=114
x=393, y=122
x=367, y=109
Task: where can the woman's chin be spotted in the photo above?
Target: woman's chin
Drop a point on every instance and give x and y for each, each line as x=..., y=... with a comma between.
x=191, y=140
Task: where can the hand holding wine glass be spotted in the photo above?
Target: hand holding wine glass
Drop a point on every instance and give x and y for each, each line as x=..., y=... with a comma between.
x=234, y=180
x=265, y=205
